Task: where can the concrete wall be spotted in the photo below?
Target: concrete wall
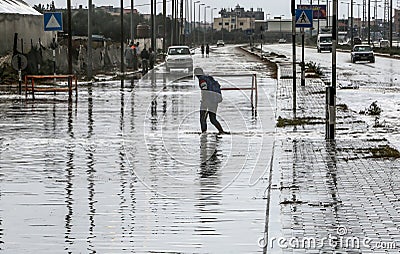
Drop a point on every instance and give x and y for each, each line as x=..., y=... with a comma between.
x=28, y=27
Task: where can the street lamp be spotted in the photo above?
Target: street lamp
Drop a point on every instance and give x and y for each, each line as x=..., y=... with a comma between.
x=198, y=32
x=348, y=15
x=359, y=19
x=204, y=27
x=280, y=25
x=194, y=21
x=212, y=24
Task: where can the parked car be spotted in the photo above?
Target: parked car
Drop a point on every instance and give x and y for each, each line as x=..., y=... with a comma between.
x=179, y=57
x=362, y=53
x=220, y=43
x=281, y=40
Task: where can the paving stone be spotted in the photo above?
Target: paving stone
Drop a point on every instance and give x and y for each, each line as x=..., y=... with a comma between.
x=338, y=184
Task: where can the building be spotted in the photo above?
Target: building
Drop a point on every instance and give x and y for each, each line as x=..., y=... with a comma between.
x=19, y=17
x=279, y=25
x=396, y=21
x=238, y=19
x=234, y=23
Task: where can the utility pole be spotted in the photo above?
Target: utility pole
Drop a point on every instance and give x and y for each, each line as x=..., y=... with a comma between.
x=369, y=22
x=293, y=9
x=351, y=24
x=69, y=15
x=177, y=32
x=319, y=11
x=152, y=27
x=89, y=45
x=173, y=22
x=331, y=90
x=165, y=25
x=181, y=32
x=390, y=24
x=122, y=37
x=132, y=22
x=312, y=9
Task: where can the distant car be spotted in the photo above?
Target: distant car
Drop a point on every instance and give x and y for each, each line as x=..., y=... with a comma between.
x=281, y=40
x=179, y=57
x=362, y=53
x=384, y=43
x=324, y=42
x=357, y=41
x=220, y=43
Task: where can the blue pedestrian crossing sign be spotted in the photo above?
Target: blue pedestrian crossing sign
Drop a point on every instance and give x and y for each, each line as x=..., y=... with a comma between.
x=304, y=18
x=52, y=21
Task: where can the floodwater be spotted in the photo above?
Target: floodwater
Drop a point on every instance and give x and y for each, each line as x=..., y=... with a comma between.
x=124, y=169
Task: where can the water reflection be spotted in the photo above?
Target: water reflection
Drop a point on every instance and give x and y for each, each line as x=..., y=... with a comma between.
x=209, y=155
x=91, y=174
x=209, y=199
x=331, y=181
x=90, y=121
x=69, y=201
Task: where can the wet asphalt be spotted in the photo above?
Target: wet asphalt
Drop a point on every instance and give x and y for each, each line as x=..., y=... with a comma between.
x=123, y=169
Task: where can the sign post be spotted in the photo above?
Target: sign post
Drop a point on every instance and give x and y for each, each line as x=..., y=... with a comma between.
x=19, y=63
x=52, y=21
x=304, y=18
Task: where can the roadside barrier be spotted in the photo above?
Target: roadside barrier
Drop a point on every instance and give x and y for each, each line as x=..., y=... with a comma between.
x=253, y=88
x=42, y=85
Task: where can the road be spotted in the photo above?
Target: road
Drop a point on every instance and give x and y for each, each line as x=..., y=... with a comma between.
x=379, y=81
x=124, y=169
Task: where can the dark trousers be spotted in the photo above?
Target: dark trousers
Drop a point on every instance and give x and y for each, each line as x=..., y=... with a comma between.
x=145, y=66
x=213, y=119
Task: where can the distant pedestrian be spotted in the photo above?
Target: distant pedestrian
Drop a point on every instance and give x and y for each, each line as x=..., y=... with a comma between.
x=152, y=58
x=135, y=59
x=210, y=98
x=145, y=60
x=207, y=50
x=129, y=56
x=202, y=50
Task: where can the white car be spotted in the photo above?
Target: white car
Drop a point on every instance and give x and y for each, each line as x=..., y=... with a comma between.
x=220, y=43
x=179, y=57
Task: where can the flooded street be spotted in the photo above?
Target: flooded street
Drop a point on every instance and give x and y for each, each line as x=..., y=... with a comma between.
x=125, y=169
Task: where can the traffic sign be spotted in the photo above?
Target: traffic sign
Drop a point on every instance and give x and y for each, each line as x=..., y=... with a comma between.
x=304, y=18
x=52, y=21
x=19, y=62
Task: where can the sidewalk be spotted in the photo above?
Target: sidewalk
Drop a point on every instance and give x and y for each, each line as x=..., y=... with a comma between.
x=329, y=197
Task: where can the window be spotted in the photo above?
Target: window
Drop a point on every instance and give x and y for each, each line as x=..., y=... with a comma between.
x=220, y=23
x=226, y=23
x=241, y=23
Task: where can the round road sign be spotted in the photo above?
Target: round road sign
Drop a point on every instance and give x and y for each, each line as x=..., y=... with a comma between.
x=19, y=61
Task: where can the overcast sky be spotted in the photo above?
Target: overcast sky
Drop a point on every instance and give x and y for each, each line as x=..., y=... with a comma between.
x=272, y=7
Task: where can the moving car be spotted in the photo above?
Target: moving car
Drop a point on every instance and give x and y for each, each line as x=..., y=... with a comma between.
x=362, y=53
x=324, y=42
x=220, y=43
x=179, y=57
x=384, y=43
x=357, y=41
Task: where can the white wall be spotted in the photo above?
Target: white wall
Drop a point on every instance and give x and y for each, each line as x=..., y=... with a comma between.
x=28, y=27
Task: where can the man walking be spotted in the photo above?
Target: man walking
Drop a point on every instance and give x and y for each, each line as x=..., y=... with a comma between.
x=210, y=97
x=145, y=60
